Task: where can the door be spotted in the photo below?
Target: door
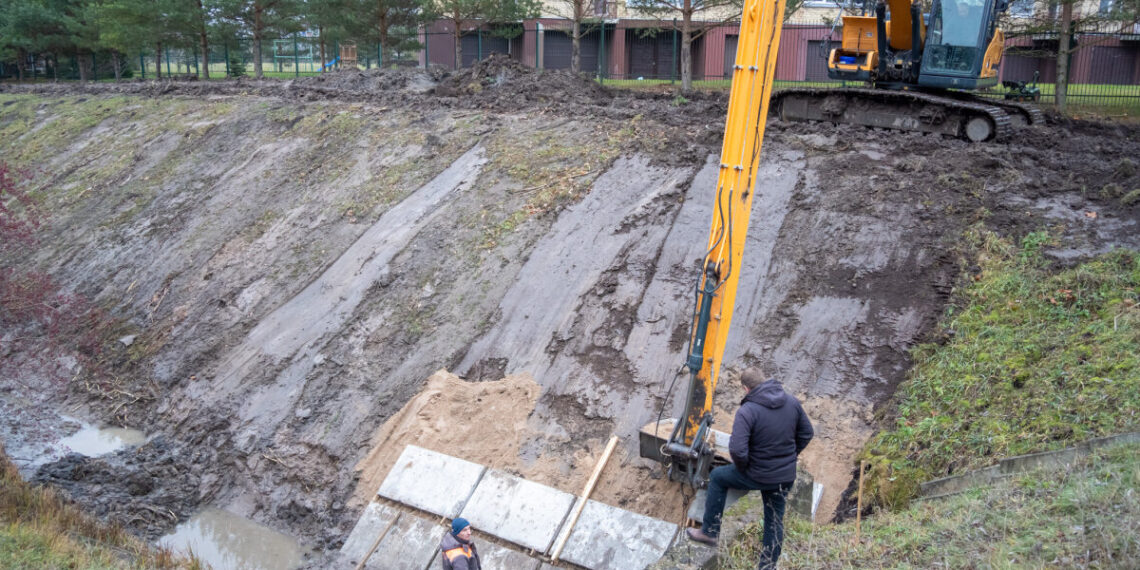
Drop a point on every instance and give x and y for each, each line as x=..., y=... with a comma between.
x=488, y=43
x=1112, y=65
x=815, y=68
x=729, y=54
x=558, y=47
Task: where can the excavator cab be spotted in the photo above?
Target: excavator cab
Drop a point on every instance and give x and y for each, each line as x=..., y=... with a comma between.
x=957, y=45
x=964, y=45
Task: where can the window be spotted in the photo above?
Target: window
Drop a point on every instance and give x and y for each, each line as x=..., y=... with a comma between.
x=1023, y=8
x=1106, y=6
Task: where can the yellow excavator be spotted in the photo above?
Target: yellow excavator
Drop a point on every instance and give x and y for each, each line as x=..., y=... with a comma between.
x=922, y=71
x=690, y=448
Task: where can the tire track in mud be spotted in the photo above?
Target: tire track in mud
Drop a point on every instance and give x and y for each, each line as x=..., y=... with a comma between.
x=289, y=337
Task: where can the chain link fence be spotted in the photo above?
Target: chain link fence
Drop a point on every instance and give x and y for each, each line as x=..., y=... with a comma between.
x=1104, y=68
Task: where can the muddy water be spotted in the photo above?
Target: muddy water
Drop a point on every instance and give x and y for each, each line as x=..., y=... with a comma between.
x=228, y=542
x=93, y=441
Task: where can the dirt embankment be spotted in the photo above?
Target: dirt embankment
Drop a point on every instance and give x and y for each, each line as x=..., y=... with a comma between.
x=529, y=225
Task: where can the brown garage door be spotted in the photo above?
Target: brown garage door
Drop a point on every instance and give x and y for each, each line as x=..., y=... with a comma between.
x=1016, y=67
x=1113, y=65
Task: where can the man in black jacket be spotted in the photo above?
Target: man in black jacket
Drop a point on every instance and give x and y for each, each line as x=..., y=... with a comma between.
x=768, y=434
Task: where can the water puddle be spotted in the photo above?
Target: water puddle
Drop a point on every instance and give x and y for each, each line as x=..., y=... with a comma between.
x=228, y=542
x=93, y=442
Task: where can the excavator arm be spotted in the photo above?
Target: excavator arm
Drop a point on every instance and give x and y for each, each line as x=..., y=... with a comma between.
x=688, y=450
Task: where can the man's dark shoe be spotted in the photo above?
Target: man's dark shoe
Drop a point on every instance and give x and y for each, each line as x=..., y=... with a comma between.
x=699, y=536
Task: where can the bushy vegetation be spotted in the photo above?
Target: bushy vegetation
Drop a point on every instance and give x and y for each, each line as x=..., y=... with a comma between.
x=41, y=319
x=40, y=530
x=1034, y=359
x=1087, y=516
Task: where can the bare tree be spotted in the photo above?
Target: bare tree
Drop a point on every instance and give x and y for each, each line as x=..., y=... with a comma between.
x=583, y=20
x=696, y=18
x=1073, y=23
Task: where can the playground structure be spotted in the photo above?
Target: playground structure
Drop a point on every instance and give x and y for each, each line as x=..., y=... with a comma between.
x=348, y=54
x=293, y=52
x=302, y=54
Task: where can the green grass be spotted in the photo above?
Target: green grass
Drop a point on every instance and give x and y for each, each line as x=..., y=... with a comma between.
x=1087, y=516
x=1038, y=360
x=39, y=530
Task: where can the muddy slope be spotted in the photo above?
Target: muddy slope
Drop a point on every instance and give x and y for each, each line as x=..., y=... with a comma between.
x=293, y=271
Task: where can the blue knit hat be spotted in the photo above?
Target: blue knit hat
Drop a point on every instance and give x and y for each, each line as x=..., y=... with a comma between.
x=458, y=525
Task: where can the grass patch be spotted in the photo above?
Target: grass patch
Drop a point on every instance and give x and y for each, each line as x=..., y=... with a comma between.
x=1085, y=517
x=39, y=530
x=556, y=169
x=1038, y=360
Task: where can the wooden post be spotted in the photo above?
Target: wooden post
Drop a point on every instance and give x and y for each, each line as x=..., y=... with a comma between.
x=859, y=501
x=377, y=543
x=585, y=496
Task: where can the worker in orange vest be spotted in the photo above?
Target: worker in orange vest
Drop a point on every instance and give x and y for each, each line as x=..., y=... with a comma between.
x=458, y=550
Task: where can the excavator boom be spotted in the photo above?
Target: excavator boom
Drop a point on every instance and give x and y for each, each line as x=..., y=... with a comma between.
x=688, y=451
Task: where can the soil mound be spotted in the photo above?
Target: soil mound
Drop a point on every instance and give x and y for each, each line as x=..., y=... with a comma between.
x=500, y=82
x=489, y=423
x=390, y=79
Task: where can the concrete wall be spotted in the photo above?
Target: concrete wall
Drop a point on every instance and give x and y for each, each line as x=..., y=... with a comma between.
x=1020, y=464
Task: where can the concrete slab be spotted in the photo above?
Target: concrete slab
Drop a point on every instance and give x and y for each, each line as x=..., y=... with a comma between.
x=495, y=557
x=411, y=544
x=431, y=481
x=609, y=537
x=516, y=510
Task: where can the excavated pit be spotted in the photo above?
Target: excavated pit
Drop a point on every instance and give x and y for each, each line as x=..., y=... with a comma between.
x=295, y=260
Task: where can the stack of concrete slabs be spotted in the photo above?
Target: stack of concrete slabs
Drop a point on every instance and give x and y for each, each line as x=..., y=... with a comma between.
x=516, y=510
x=430, y=481
x=411, y=544
x=609, y=537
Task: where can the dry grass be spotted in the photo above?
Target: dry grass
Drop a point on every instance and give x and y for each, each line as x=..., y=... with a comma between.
x=1086, y=516
x=38, y=529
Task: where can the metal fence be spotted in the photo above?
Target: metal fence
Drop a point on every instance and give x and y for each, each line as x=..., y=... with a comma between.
x=1105, y=68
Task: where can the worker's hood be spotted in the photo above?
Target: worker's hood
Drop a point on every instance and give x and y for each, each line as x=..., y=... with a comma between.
x=769, y=394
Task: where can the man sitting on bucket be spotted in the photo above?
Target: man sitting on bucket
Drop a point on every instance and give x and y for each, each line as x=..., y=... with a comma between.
x=458, y=552
x=768, y=434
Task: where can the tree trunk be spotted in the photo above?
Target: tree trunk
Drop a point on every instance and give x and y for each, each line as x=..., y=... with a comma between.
x=257, y=31
x=687, y=52
x=322, y=36
x=158, y=60
x=81, y=63
x=458, y=45
x=1064, y=49
x=21, y=63
x=117, y=64
x=202, y=39
x=576, y=49
x=382, y=27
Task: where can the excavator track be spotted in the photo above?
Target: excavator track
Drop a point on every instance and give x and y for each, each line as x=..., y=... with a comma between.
x=1020, y=114
x=973, y=120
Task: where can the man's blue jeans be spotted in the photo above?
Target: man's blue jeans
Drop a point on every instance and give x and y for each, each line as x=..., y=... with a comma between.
x=774, y=496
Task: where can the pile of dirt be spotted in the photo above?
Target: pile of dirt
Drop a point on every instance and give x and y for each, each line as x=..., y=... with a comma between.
x=415, y=80
x=489, y=423
x=502, y=83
